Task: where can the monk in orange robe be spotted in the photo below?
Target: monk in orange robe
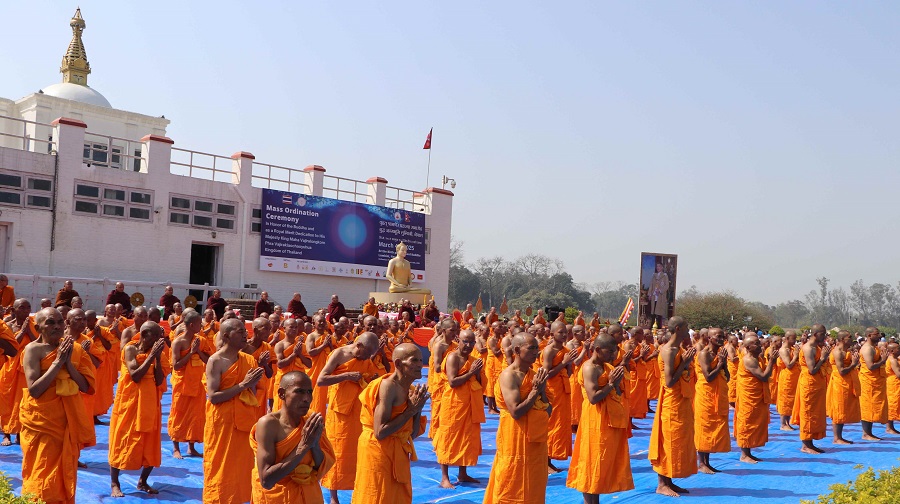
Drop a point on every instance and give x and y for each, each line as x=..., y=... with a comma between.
x=458, y=441
x=75, y=324
x=136, y=424
x=751, y=410
x=843, y=388
x=519, y=471
x=190, y=353
x=638, y=403
x=893, y=386
x=733, y=357
x=788, y=377
x=12, y=375
x=671, y=451
x=52, y=412
x=711, y=401
x=653, y=380
x=348, y=371
x=873, y=384
x=770, y=352
x=259, y=348
x=557, y=360
x=494, y=364
x=292, y=451
x=232, y=380
x=319, y=345
x=370, y=308
x=600, y=461
x=442, y=343
x=809, y=403
x=290, y=355
x=390, y=417
x=584, y=352
x=539, y=318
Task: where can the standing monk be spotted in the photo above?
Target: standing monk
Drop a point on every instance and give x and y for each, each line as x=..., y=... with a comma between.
x=809, y=403
x=52, y=411
x=873, y=384
x=348, y=370
x=495, y=363
x=187, y=417
x=232, y=378
x=519, y=471
x=600, y=462
x=843, y=388
x=893, y=386
x=557, y=360
x=731, y=348
x=751, y=410
x=136, y=424
x=390, y=417
x=442, y=343
x=458, y=442
x=788, y=377
x=671, y=451
x=711, y=401
x=258, y=348
x=638, y=402
x=292, y=452
x=578, y=343
x=319, y=345
x=290, y=354
x=12, y=374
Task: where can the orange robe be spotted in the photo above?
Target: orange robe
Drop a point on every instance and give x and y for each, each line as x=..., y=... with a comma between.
x=383, y=475
x=577, y=392
x=787, y=384
x=7, y=296
x=893, y=394
x=302, y=485
x=296, y=365
x=671, y=450
x=711, y=411
x=732, y=373
x=519, y=471
x=97, y=351
x=187, y=416
x=844, y=393
x=600, y=461
x=493, y=365
x=320, y=394
x=773, y=380
x=103, y=397
x=559, y=392
x=751, y=410
x=228, y=459
x=873, y=391
x=637, y=392
x=12, y=380
x=458, y=441
x=262, y=393
x=809, y=403
x=53, y=432
x=626, y=381
x=436, y=383
x=370, y=309
x=653, y=382
x=342, y=423
x=136, y=423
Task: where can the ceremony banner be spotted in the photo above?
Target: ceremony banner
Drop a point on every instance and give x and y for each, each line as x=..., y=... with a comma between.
x=325, y=236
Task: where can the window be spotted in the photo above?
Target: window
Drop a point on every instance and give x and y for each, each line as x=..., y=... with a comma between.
x=26, y=189
x=98, y=154
x=427, y=240
x=256, y=220
x=113, y=201
x=202, y=213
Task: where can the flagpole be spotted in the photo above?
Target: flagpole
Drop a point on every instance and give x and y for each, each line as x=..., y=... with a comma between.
x=428, y=170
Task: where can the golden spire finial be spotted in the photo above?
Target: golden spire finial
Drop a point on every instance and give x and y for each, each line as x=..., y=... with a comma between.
x=75, y=67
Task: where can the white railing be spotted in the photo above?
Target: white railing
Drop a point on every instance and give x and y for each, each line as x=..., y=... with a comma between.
x=113, y=152
x=271, y=176
x=26, y=135
x=404, y=199
x=94, y=290
x=201, y=165
x=345, y=189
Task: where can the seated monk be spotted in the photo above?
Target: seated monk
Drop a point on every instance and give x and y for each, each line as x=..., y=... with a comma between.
x=370, y=308
x=52, y=412
x=519, y=471
x=600, y=462
x=135, y=428
x=390, y=418
x=292, y=452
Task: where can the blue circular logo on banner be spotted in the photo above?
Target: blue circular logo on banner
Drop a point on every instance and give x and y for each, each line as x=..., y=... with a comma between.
x=352, y=231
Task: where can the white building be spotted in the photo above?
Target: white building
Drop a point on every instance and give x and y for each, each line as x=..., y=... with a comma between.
x=91, y=192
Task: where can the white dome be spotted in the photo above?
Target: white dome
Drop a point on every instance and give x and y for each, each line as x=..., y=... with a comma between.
x=76, y=92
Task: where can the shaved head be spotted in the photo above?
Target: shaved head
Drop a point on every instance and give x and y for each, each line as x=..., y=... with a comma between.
x=294, y=378
x=606, y=342
x=404, y=350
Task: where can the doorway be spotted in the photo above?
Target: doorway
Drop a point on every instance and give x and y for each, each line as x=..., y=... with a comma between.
x=204, y=262
x=4, y=243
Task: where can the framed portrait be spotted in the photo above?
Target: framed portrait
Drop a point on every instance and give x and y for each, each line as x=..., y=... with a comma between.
x=656, y=301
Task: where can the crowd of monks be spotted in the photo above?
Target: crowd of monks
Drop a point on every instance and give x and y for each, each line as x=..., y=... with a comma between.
x=295, y=405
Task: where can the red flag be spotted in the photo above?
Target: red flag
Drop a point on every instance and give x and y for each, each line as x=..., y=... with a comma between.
x=428, y=140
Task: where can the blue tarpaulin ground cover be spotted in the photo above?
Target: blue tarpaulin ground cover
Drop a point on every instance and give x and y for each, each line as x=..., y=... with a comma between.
x=784, y=476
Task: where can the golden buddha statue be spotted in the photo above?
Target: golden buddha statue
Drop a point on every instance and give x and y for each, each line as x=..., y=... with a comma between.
x=399, y=273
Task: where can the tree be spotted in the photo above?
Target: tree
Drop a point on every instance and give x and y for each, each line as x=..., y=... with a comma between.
x=489, y=271
x=463, y=288
x=722, y=309
x=791, y=313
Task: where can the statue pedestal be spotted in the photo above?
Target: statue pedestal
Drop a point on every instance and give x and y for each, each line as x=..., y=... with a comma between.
x=392, y=297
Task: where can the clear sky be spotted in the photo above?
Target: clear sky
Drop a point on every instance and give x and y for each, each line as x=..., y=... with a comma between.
x=756, y=140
